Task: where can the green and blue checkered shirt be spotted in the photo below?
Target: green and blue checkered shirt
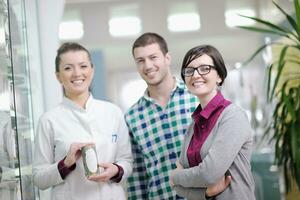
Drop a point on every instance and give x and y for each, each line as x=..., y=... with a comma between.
x=156, y=134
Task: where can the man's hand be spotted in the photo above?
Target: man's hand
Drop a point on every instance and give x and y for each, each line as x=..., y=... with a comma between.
x=218, y=187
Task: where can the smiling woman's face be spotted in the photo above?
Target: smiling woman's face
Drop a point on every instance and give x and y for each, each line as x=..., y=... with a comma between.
x=75, y=73
x=203, y=86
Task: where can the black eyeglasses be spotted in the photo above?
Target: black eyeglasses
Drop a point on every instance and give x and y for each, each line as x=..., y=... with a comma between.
x=202, y=70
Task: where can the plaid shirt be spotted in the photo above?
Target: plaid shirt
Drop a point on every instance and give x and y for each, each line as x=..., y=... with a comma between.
x=156, y=135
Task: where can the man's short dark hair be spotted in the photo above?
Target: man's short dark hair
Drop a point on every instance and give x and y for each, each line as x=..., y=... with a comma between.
x=150, y=38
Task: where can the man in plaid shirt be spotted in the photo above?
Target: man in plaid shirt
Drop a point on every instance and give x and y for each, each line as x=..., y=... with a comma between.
x=157, y=122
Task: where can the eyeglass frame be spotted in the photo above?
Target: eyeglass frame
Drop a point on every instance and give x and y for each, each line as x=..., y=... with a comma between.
x=196, y=69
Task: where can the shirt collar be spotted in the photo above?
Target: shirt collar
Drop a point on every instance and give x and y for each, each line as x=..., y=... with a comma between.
x=71, y=104
x=215, y=103
x=179, y=86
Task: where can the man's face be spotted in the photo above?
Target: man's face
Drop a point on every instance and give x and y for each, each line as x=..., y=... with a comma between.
x=152, y=64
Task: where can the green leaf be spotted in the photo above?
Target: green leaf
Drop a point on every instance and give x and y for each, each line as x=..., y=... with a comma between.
x=294, y=142
x=289, y=19
x=287, y=102
x=269, y=72
x=297, y=62
x=286, y=179
x=296, y=149
x=297, y=46
x=268, y=24
x=281, y=64
x=265, y=135
x=255, y=54
x=263, y=30
x=297, y=10
x=297, y=168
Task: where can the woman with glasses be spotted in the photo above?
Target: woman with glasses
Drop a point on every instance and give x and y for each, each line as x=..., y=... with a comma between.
x=218, y=142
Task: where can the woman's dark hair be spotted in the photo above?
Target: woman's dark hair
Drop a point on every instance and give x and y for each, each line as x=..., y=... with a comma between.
x=150, y=38
x=66, y=47
x=212, y=52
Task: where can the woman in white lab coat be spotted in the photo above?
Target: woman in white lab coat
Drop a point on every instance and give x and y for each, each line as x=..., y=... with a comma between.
x=77, y=121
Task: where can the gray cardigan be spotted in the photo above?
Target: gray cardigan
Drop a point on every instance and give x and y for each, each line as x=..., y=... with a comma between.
x=228, y=146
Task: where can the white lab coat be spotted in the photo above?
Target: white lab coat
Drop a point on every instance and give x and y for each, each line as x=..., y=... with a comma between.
x=8, y=183
x=101, y=123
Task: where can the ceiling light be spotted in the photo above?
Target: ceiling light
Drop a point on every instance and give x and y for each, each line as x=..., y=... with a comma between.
x=125, y=26
x=233, y=17
x=184, y=22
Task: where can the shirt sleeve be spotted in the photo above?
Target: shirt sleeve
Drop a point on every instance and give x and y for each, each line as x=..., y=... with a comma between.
x=138, y=181
x=45, y=169
x=234, y=131
x=117, y=178
x=63, y=169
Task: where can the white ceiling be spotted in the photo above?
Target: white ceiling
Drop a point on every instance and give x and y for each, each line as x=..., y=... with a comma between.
x=236, y=45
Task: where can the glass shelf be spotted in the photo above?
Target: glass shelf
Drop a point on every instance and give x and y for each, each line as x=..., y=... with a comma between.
x=16, y=127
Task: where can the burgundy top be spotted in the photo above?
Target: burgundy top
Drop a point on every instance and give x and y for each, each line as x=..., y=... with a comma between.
x=205, y=119
x=64, y=171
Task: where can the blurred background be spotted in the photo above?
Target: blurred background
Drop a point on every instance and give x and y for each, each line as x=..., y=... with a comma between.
x=31, y=31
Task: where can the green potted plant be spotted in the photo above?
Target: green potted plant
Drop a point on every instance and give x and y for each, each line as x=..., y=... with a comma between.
x=283, y=90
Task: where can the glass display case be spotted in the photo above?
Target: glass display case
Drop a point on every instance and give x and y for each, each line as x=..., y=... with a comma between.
x=16, y=126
